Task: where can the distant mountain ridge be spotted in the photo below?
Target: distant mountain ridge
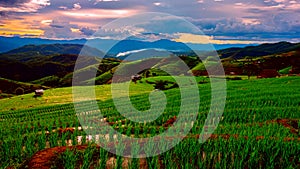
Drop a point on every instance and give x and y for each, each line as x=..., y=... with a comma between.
x=29, y=52
x=49, y=49
x=127, y=46
x=258, y=51
x=10, y=43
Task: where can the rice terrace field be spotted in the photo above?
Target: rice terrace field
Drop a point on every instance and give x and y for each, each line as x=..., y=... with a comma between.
x=258, y=129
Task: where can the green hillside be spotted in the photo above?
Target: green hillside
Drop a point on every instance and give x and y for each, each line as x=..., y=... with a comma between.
x=61, y=96
x=42, y=64
x=28, y=52
x=258, y=51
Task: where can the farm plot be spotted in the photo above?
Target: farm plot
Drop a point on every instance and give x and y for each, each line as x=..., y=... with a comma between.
x=258, y=129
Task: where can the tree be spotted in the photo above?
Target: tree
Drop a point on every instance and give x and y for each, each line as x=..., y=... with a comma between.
x=250, y=67
x=162, y=84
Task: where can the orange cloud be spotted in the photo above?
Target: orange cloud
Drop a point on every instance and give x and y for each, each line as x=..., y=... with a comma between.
x=18, y=27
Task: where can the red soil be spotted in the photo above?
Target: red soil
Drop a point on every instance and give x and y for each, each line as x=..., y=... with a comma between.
x=170, y=122
x=43, y=159
x=61, y=130
x=290, y=124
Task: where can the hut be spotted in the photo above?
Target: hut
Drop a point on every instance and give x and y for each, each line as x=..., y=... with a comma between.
x=39, y=92
x=135, y=78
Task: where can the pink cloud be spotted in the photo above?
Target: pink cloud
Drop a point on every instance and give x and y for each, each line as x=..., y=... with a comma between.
x=99, y=13
x=76, y=6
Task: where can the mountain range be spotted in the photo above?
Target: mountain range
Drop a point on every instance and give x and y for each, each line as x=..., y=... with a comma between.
x=10, y=43
x=53, y=64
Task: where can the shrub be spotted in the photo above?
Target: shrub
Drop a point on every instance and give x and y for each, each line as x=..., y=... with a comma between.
x=19, y=91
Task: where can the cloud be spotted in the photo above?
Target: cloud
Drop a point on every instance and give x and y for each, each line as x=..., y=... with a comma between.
x=99, y=13
x=60, y=29
x=63, y=7
x=75, y=30
x=161, y=4
x=87, y=31
x=191, y=38
x=2, y=13
x=249, y=21
x=13, y=2
x=130, y=52
x=157, y=3
x=252, y=20
x=23, y=5
x=202, y=39
x=239, y=4
x=19, y=27
x=46, y=22
x=107, y=0
x=63, y=29
x=99, y=1
x=76, y=6
x=57, y=26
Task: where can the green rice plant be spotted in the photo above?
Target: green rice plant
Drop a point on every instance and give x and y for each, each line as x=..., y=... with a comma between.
x=102, y=158
x=53, y=139
x=119, y=150
x=135, y=150
x=69, y=158
x=88, y=156
x=42, y=140
x=30, y=147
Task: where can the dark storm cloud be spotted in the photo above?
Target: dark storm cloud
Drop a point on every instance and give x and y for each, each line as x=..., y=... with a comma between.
x=2, y=13
x=255, y=10
x=87, y=31
x=12, y=3
x=57, y=26
x=23, y=6
x=114, y=5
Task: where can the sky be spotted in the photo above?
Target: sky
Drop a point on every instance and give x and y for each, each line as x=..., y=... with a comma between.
x=223, y=21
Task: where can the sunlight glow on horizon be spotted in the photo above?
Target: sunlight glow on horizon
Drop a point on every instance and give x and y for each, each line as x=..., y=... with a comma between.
x=21, y=28
x=203, y=39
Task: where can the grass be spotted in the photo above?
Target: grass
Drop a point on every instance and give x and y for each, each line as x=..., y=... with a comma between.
x=248, y=134
x=62, y=96
x=285, y=70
